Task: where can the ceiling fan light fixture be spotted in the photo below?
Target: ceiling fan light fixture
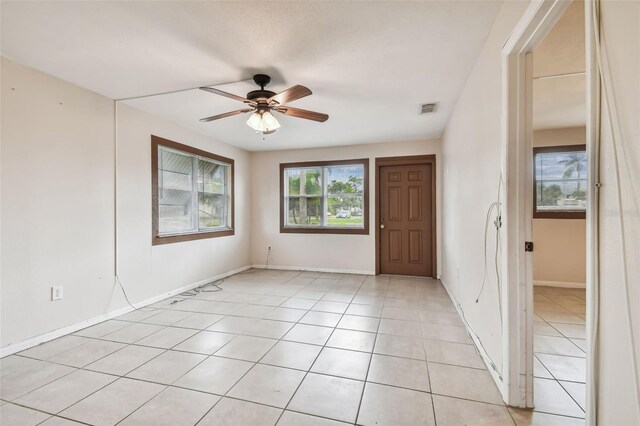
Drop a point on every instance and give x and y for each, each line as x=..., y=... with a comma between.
x=263, y=122
x=269, y=121
x=255, y=121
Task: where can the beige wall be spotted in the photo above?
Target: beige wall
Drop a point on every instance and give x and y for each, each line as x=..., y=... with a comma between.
x=353, y=253
x=57, y=203
x=148, y=270
x=471, y=151
x=559, y=137
x=560, y=256
x=57, y=173
x=617, y=401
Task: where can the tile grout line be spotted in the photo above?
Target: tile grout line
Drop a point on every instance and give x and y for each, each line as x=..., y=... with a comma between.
x=85, y=367
x=433, y=404
x=51, y=415
x=287, y=409
x=320, y=352
x=570, y=395
x=258, y=361
x=325, y=291
x=564, y=338
x=511, y=416
x=241, y=377
x=373, y=348
x=118, y=377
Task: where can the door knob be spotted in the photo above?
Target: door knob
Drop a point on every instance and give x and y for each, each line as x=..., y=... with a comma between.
x=381, y=226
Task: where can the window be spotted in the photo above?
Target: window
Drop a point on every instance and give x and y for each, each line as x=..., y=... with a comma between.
x=325, y=197
x=560, y=182
x=192, y=193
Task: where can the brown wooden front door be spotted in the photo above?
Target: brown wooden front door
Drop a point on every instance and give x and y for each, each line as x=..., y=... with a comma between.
x=405, y=194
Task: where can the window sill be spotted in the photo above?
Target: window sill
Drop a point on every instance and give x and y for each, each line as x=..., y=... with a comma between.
x=559, y=215
x=323, y=230
x=178, y=238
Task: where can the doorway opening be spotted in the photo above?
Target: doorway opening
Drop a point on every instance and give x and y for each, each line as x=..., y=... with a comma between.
x=405, y=214
x=558, y=224
x=550, y=105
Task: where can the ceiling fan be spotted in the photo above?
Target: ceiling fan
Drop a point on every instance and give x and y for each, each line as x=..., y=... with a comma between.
x=262, y=102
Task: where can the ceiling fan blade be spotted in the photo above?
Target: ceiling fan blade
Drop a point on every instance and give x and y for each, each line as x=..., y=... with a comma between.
x=303, y=113
x=291, y=94
x=227, y=95
x=226, y=114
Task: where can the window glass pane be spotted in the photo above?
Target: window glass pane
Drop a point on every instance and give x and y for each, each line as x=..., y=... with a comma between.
x=212, y=210
x=345, y=179
x=212, y=198
x=176, y=170
x=561, y=181
x=304, y=211
x=212, y=177
x=325, y=196
x=193, y=194
x=345, y=211
x=345, y=186
x=305, y=181
x=175, y=201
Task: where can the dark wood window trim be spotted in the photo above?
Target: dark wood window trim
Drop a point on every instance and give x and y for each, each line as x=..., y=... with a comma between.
x=156, y=238
x=554, y=214
x=400, y=161
x=326, y=230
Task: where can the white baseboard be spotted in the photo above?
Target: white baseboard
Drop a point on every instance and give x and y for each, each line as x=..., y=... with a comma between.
x=34, y=341
x=43, y=338
x=564, y=284
x=496, y=375
x=314, y=269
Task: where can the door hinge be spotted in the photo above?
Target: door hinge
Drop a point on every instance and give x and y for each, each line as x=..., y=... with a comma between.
x=528, y=246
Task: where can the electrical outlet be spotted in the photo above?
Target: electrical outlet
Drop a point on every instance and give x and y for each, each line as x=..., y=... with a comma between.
x=56, y=293
x=269, y=248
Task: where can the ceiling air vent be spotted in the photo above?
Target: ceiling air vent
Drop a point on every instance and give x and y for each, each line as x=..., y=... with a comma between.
x=428, y=108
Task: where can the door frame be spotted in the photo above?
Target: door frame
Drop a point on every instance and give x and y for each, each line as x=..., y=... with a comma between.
x=517, y=73
x=409, y=160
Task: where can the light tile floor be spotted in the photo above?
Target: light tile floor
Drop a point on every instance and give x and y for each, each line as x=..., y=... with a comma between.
x=286, y=348
x=560, y=351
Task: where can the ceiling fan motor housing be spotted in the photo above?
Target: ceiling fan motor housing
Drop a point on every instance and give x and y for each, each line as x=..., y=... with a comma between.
x=258, y=94
x=261, y=80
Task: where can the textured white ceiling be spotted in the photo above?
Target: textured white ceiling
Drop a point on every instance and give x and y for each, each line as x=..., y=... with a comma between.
x=563, y=50
x=369, y=64
x=561, y=101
